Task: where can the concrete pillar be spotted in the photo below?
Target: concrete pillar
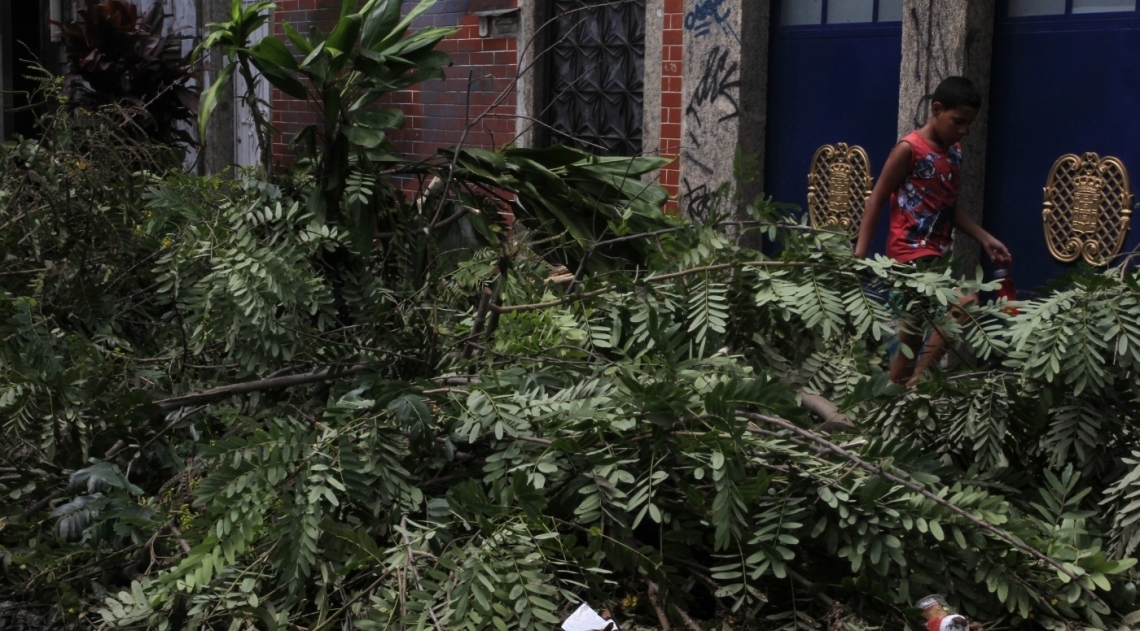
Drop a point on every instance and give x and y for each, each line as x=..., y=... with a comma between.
x=725, y=98
x=943, y=38
x=651, y=103
x=218, y=157
x=531, y=72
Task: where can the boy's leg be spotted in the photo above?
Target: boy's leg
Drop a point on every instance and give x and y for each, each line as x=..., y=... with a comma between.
x=902, y=366
x=936, y=346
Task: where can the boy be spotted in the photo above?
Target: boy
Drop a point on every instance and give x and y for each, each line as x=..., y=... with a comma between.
x=922, y=176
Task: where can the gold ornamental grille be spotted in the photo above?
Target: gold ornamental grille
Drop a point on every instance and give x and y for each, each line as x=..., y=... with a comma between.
x=838, y=186
x=1088, y=207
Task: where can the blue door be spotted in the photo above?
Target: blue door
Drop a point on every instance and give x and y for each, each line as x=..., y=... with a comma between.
x=1066, y=79
x=833, y=76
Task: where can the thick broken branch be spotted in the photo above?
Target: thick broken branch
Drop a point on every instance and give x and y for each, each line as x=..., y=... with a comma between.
x=828, y=412
x=221, y=392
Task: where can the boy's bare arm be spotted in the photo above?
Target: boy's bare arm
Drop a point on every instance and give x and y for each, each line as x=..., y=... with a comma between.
x=894, y=172
x=994, y=248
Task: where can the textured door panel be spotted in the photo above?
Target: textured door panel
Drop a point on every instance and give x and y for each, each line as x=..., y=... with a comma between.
x=597, y=68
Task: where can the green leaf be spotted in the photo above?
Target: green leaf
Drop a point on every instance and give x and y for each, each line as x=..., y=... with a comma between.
x=364, y=136
x=381, y=18
x=936, y=530
x=272, y=50
x=209, y=98
x=388, y=118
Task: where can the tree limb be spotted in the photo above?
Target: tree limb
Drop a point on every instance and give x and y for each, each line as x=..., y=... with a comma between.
x=653, y=279
x=221, y=392
x=828, y=412
x=651, y=590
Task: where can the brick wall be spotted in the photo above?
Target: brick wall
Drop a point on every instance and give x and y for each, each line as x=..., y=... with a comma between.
x=671, y=71
x=437, y=112
x=483, y=70
x=291, y=115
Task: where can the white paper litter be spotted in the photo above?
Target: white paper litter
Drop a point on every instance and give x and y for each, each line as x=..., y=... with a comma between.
x=586, y=619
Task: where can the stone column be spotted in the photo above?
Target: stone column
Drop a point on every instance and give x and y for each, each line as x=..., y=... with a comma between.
x=651, y=91
x=531, y=73
x=725, y=99
x=943, y=38
x=218, y=156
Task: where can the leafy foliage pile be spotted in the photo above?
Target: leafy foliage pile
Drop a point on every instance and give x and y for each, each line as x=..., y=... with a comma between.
x=226, y=408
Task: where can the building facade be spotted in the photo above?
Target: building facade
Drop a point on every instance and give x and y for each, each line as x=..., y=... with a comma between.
x=696, y=80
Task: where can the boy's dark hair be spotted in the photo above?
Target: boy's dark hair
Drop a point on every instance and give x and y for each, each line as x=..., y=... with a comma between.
x=955, y=92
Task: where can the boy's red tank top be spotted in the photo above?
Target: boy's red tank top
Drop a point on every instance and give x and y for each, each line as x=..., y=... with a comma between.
x=922, y=209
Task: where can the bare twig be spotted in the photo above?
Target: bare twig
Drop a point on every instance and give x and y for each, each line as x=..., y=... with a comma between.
x=797, y=577
x=480, y=320
x=463, y=211
x=178, y=533
x=597, y=244
x=652, y=590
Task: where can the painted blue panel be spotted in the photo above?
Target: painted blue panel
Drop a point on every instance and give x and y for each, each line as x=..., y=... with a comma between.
x=837, y=83
x=1060, y=85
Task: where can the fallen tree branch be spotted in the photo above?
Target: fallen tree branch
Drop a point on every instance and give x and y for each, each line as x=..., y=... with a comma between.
x=221, y=392
x=653, y=279
x=879, y=471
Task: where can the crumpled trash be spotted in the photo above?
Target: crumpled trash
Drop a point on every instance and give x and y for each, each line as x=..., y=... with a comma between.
x=585, y=618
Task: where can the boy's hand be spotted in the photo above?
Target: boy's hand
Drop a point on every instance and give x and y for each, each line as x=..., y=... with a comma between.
x=997, y=251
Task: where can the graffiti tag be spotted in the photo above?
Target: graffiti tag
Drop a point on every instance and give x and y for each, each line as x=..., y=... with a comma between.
x=704, y=14
x=698, y=202
x=719, y=80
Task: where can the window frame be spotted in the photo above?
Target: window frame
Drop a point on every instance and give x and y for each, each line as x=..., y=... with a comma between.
x=778, y=11
x=1003, y=7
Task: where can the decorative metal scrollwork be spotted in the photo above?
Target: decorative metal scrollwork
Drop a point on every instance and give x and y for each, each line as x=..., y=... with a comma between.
x=1088, y=207
x=838, y=186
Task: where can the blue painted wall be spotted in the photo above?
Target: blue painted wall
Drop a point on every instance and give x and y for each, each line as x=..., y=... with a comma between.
x=1061, y=84
x=830, y=84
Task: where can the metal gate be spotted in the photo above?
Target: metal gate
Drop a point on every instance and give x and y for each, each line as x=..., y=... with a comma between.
x=1064, y=81
x=596, y=71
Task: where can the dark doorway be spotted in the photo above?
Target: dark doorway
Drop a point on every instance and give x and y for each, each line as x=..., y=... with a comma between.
x=22, y=41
